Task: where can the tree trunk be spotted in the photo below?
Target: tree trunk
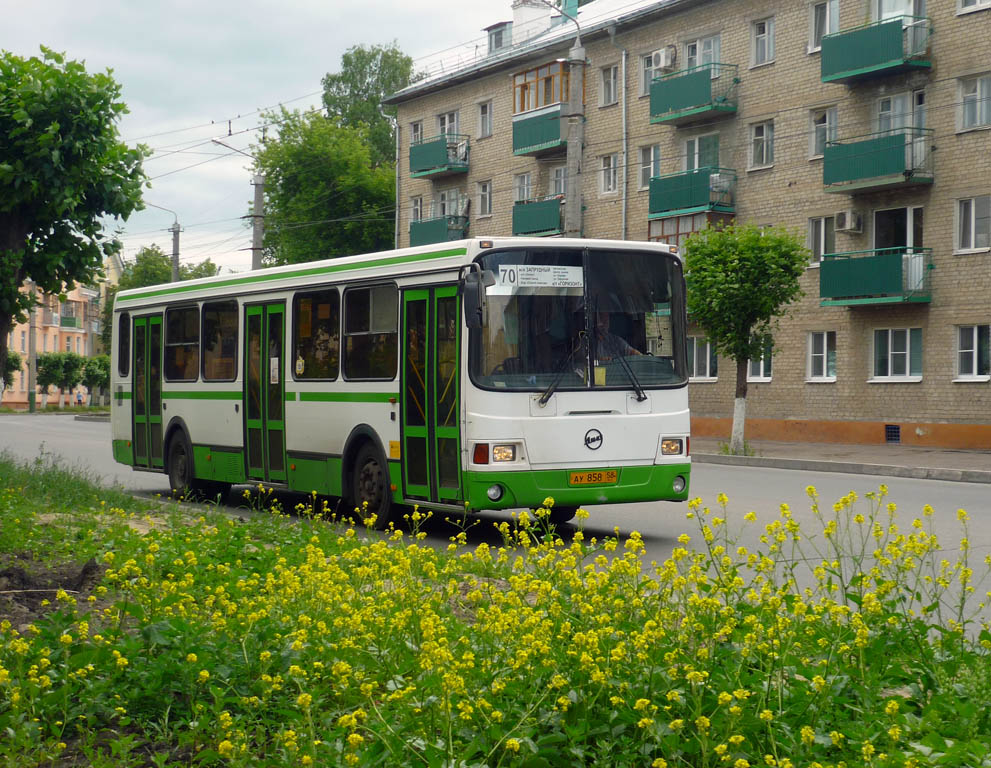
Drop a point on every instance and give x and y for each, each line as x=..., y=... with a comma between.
x=736, y=443
x=61, y=398
x=44, y=398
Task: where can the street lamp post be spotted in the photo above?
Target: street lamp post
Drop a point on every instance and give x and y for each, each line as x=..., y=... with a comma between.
x=174, y=229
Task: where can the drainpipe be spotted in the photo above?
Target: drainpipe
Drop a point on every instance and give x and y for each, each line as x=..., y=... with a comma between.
x=395, y=137
x=611, y=29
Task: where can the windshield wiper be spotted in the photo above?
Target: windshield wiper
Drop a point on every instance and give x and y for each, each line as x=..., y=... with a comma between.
x=641, y=395
x=559, y=374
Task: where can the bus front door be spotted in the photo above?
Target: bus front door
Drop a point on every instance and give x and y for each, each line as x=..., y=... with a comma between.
x=264, y=392
x=146, y=400
x=431, y=452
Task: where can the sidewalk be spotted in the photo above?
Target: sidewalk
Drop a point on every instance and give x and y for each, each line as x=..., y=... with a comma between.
x=893, y=460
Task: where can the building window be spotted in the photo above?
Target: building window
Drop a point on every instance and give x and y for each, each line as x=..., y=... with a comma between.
x=760, y=369
x=974, y=351
x=825, y=21
x=485, y=198
x=650, y=164
x=762, y=35
x=607, y=176
x=182, y=344
x=447, y=123
x=540, y=87
x=897, y=353
x=484, y=119
x=521, y=187
x=973, y=5
x=68, y=344
x=823, y=130
x=24, y=343
x=416, y=132
x=674, y=230
x=975, y=98
x=702, y=51
x=646, y=73
x=762, y=144
x=702, y=152
x=559, y=180
x=448, y=203
x=416, y=208
x=822, y=356
x=220, y=341
x=609, y=79
x=974, y=223
x=822, y=237
x=901, y=110
x=316, y=334
x=701, y=359
x=44, y=343
x=500, y=36
x=371, y=335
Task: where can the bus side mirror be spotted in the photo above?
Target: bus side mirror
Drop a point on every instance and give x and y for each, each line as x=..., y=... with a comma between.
x=473, y=287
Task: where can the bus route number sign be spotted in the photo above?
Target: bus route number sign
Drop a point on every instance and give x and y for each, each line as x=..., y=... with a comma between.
x=593, y=477
x=514, y=276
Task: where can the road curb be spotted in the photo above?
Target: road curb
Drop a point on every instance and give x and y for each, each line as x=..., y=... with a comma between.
x=92, y=417
x=849, y=467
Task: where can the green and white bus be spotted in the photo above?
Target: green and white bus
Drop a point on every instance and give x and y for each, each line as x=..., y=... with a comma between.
x=479, y=374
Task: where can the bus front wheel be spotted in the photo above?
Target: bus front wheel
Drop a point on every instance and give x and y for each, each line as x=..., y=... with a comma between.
x=561, y=515
x=180, y=465
x=370, y=491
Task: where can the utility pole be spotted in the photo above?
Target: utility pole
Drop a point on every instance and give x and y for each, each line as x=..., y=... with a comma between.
x=258, y=209
x=575, y=116
x=32, y=349
x=175, y=251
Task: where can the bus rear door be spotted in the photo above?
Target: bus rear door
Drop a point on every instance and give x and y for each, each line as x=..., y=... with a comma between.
x=146, y=402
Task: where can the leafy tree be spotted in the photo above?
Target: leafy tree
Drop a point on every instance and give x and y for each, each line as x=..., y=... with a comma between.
x=70, y=374
x=96, y=374
x=354, y=95
x=12, y=366
x=741, y=278
x=49, y=372
x=324, y=197
x=63, y=171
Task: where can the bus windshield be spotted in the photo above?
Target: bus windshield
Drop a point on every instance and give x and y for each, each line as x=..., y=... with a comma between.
x=570, y=319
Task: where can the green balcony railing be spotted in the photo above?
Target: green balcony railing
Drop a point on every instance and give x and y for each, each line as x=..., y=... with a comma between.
x=884, y=160
x=703, y=189
x=876, y=50
x=538, y=217
x=538, y=132
x=442, y=155
x=67, y=321
x=694, y=95
x=879, y=276
x=439, y=229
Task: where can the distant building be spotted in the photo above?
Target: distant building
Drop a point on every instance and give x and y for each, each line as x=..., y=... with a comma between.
x=863, y=124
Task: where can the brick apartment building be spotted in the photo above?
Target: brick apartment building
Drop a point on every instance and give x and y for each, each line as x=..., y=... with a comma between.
x=863, y=124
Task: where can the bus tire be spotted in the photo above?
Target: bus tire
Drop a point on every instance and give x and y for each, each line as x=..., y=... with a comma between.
x=180, y=464
x=562, y=515
x=370, y=485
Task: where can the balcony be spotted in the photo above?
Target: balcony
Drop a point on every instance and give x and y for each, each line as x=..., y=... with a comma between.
x=901, y=157
x=438, y=230
x=702, y=189
x=539, y=132
x=538, y=218
x=445, y=155
x=694, y=95
x=67, y=321
x=876, y=50
x=881, y=276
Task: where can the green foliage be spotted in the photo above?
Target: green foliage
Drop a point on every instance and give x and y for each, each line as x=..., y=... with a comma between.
x=353, y=95
x=741, y=278
x=49, y=370
x=11, y=366
x=96, y=372
x=324, y=196
x=63, y=172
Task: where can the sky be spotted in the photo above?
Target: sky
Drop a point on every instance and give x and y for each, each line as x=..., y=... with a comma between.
x=194, y=71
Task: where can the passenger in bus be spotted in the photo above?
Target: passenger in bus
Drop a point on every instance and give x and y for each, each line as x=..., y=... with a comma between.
x=608, y=345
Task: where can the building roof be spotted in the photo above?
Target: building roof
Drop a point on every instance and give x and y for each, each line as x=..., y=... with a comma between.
x=594, y=19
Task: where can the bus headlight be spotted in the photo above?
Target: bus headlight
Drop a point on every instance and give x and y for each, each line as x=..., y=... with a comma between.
x=671, y=447
x=679, y=484
x=503, y=453
x=494, y=492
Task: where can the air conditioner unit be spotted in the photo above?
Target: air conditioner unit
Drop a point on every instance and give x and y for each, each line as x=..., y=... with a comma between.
x=664, y=58
x=848, y=221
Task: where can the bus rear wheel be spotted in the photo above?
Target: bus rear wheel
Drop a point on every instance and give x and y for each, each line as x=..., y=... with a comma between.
x=180, y=466
x=562, y=515
x=370, y=491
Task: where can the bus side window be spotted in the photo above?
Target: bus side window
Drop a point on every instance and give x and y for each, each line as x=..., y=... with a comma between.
x=182, y=344
x=124, y=344
x=316, y=335
x=371, y=334
x=220, y=341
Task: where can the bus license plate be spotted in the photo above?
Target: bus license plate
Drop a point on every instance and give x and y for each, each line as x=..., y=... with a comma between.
x=593, y=477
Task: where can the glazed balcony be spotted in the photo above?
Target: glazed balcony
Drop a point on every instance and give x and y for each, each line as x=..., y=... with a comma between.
x=539, y=132
x=876, y=50
x=538, y=218
x=694, y=95
x=444, y=155
x=702, y=189
x=439, y=229
x=900, y=157
x=70, y=321
x=880, y=276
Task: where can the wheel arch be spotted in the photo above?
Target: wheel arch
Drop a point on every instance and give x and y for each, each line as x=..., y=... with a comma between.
x=360, y=435
x=177, y=426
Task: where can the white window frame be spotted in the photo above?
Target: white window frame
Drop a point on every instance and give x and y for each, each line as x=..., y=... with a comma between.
x=609, y=86
x=703, y=50
x=826, y=128
x=762, y=42
x=697, y=345
x=24, y=341
x=918, y=8
x=416, y=208
x=609, y=173
x=969, y=6
x=692, y=151
x=966, y=216
x=646, y=72
x=818, y=239
x=447, y=202
x=907, y=376
x=484, y=199
x=650, y=164
x=761, y=145
x=831, y=23
x=969, y=345
x=416, y=132
x=975, y=92
x=558, y=180
x=448, y=123
x=485, y=119
x=826, y=357
x=762, y=368
x=522, y=187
